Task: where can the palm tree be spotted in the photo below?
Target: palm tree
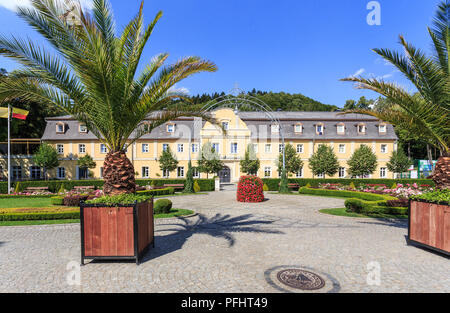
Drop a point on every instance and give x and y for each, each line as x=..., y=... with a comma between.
x=94, y=77
x=427, y=111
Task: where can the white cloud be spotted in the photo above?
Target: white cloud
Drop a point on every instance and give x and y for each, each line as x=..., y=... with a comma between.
x=182, y=90
x=358, y=72
x=13, y=4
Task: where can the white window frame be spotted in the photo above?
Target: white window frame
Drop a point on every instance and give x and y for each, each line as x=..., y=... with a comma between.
x=385, y=148
x=61, y=170
x=166, y=174
x=320, y=176
x=145, y=148
x=364, y=128
x=280, y=148
x=63, y=128
x=320, y=132
x=382, y=128
x=101, y=172
x=298, y=128
x=234, y=148
x=341, y=132
x=268, y=145
x=145, y=172
x=267, y=170
x=103, y=149
x=299, y=174
x=195, y=172
x=344, y=148
x=383, y=172
x=170, y=128
x=194, y=148
x=60, y=148
x=81, y=148
x=342, y=172
x=300, y=148
x=214, y=145
x=180, y=170
x=82, y=128
x=180, y=148
x=17, y=172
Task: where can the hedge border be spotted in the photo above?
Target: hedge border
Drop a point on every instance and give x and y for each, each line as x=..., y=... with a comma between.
x=9, y=217
x=346, y=193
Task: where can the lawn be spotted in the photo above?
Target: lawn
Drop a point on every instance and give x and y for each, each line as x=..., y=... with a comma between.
x=343, y=212
x=23, y=202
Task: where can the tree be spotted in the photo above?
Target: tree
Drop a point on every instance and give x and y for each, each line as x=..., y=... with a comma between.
x=86, y=163
x=399, y=162
x=426, y=112
x=189, y=187
x=363, y=162
x=293, y=162
x=209, y=161
x=250, y=164
x=167, y=161
x=46, y=157
x=324, y=161
x=93, y=76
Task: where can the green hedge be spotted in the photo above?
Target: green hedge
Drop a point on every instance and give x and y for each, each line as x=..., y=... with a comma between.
x=23, y=196
x=157, y=192
x=55, y=185
x=344, y=193
x=57, y=200
x=273, y=183
x=39, y=216
x=162, y=206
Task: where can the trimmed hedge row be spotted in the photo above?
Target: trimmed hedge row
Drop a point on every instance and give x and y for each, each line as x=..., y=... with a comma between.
x=39, y=216
x=24, y=197
x=372, y=207
x=273, y=183
x=157, y=192
x=55, y=185
x=345, y=193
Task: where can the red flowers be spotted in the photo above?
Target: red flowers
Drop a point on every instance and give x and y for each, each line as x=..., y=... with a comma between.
x=250, y=189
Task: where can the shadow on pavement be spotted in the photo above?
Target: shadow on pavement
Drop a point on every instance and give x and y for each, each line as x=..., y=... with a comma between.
x=218, y=226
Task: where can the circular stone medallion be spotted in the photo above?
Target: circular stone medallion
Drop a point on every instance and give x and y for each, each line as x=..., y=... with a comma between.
x=301, y=279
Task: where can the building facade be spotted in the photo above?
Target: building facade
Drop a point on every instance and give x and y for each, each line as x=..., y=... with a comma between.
x=185, y=137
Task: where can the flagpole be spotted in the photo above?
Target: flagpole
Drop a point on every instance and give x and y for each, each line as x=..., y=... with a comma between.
x=9, y=149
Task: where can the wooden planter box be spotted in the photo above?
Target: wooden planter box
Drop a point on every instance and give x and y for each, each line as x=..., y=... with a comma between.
x=429, y=225
x=122, y=232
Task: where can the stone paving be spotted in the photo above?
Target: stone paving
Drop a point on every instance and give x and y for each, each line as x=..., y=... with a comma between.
x=232, y=247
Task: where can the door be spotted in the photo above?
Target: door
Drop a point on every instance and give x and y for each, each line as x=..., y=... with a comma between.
x=225, y=175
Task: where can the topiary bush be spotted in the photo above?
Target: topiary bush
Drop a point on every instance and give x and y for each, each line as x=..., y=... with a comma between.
x=57, y=200
x=197, y=187
x=265, y=187
x=162, y=206
x=250, y=189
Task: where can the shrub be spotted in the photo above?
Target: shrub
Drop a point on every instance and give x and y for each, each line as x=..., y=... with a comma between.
x=157, y=192
x=308, y=185
x=352, y=185
x=196, y=187
x=124, y=199
x=74, y=200
x=250, y=189
x=394, y=186
x=265, y=187
x=162, y=206
x=39, y=216
x=400, y=203
x=18, y=188
x=57, y=200
x=62, y=190
x=346, y=194
x=440, y=196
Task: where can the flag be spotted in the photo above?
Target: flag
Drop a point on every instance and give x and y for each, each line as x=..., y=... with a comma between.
x=20, y=114
x=3, y=112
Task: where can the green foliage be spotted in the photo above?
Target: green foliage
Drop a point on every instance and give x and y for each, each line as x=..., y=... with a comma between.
x=399, y=162
x=352, y=185
x=324, y=161
x=394, y=186
x=345, y=194
x=196, y=186
x=86, y=162
x=18, y=188
x=284, y=183
x=157, y=192
x=250, y=164
x=372, y=208
x=363, y=162
x=62, y=189
x=189, y=185
x=124, y=199
x=209, y=161
x=57, y=200
x=168, y=161
x=265, y=187
x=46, y=157
x=162, y=206
x=39, y=216
x=440, y=196
x=293, y=162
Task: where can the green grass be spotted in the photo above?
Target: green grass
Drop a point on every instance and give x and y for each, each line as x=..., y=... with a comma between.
x=178, y=194
x=26, y=203
x=174, y=213
x=343, y=212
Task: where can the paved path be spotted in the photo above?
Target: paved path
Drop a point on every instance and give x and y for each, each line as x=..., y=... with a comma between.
x=232, y=247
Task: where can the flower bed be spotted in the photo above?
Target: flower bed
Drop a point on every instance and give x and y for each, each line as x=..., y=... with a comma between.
x=250, y=189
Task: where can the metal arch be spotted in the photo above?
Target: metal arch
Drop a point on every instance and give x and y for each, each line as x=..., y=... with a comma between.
x=242, y=99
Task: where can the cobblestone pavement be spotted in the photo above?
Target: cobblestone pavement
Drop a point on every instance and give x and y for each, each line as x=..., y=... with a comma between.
x=232, y=247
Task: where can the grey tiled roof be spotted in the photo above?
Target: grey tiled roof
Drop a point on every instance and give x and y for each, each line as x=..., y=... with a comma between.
x=257, y=122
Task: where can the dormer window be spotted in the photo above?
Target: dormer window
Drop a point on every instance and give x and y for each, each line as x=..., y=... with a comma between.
x=382, y=128
x=225, y=125
x=361, y=128
x=340, y=128
x=60, y=128
x=82, y=128
x=298, y=128
x=319, y=129
x=170, y=128
x=275, y=128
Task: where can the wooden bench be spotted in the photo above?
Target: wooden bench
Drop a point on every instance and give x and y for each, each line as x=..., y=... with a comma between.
x=83, y=188
x=292, y=185
x=175, y=186
x=31, y=189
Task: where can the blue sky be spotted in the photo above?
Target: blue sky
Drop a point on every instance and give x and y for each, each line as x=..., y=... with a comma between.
x=296, y=46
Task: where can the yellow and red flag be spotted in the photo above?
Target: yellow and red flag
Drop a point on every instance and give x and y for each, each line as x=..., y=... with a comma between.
x=19, y=113
x=3, y=112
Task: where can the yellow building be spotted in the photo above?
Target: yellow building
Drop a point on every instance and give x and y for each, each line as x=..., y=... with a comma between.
x=185, y=136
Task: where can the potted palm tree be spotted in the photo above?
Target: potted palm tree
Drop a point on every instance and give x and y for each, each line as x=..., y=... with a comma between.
x=94, y=77
x=426, y=112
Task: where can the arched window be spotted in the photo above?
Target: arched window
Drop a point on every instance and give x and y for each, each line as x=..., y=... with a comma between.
x=60, y=128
